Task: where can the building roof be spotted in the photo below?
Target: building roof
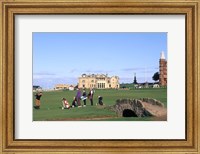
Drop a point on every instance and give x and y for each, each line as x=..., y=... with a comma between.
x=97, y=75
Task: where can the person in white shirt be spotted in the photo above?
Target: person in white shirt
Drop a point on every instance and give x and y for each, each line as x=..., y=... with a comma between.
x=90, y=96
x=65, y=104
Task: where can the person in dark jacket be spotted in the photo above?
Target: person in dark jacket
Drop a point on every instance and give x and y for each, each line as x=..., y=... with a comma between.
x=100, y=100
x=74, y=102
x=90, y=96
x=37, y=100
x=84, y=97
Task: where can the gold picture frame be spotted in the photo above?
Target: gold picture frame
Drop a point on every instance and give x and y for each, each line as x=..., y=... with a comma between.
x=9, y=8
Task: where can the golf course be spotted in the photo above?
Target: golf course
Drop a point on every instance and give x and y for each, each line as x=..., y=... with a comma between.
x=51, y=105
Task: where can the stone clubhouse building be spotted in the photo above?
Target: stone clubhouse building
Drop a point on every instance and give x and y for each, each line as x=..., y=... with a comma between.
x=98, y=81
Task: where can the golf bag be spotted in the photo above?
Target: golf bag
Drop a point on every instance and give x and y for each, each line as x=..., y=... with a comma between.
x=100, y=100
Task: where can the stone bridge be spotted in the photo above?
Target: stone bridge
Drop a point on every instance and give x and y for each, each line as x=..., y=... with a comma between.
x=139, y=108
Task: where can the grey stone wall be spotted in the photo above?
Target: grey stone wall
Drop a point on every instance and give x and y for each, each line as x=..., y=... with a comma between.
x=136, y=105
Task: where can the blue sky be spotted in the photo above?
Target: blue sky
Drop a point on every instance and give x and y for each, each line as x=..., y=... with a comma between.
x=60, y=58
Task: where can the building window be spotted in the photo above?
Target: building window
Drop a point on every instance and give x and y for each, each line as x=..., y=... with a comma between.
x=83, y=81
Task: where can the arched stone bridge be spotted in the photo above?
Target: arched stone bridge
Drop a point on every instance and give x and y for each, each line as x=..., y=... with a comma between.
x=139, y=108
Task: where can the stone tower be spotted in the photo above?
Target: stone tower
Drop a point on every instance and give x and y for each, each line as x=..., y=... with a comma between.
x=162, y=70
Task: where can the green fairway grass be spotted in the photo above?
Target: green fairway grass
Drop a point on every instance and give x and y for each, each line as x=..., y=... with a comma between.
x=51, y=103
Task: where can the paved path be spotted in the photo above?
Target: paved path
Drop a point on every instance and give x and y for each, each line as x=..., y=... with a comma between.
x=156, y=110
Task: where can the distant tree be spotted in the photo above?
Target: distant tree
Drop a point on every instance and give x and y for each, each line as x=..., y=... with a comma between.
x=155, y=77
x=76, y=87
x=124, y=87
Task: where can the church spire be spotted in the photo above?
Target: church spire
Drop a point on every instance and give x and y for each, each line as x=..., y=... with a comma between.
x=162, y=55
x=135, y=80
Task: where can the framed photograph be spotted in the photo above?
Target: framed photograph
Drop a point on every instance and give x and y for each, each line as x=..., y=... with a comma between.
x=99, y=76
